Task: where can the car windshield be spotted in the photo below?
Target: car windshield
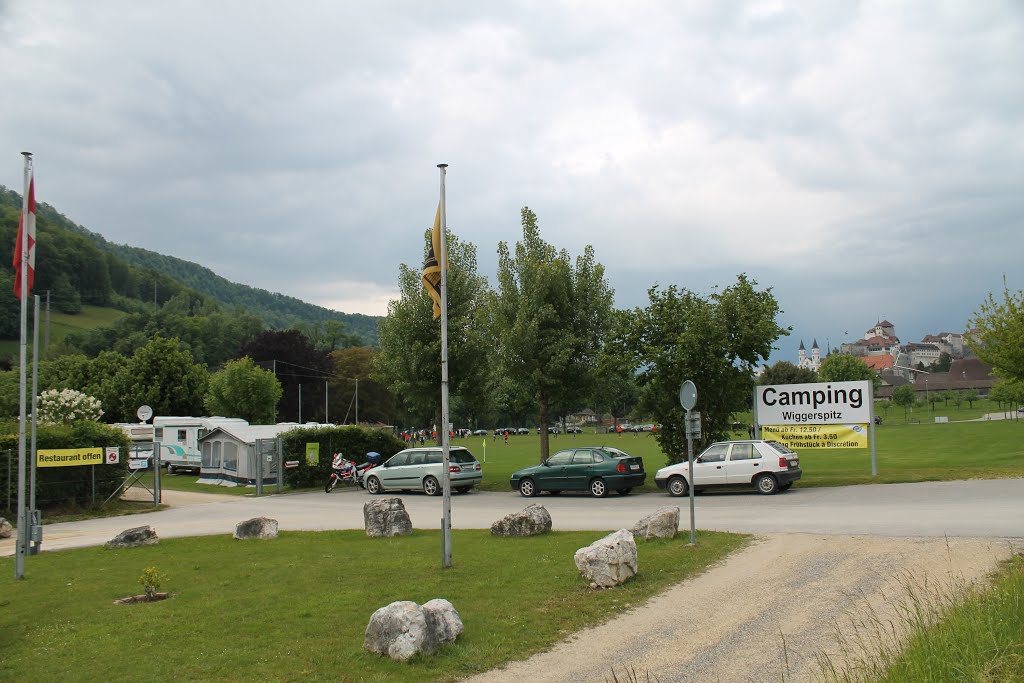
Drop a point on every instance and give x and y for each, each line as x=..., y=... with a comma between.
x=781, y=448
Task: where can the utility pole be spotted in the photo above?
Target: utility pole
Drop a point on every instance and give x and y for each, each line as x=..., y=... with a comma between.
x=300, y=403
x=46, y=336
x=357, y=402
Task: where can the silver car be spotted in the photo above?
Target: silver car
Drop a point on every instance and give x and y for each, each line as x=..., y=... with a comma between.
x=422, y=468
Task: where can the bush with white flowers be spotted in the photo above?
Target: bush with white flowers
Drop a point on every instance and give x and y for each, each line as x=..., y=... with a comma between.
x=67, y=406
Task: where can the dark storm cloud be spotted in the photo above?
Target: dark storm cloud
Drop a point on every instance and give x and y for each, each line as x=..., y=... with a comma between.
x=863, y=159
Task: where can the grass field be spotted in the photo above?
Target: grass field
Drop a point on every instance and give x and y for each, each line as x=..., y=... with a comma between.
x=905, y=453
x=62, y=324
x=295, y=608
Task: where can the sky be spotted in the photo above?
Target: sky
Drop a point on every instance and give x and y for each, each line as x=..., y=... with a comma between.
x=865, y=159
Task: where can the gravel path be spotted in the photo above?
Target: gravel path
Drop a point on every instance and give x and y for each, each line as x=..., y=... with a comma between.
x=729, y=624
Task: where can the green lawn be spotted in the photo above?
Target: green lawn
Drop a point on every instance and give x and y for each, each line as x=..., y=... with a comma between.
x=905, y=453
x=296, y=608
x=62, y=324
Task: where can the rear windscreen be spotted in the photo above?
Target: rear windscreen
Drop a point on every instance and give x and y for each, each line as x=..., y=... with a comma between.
x=781, y=448
x=461, y=456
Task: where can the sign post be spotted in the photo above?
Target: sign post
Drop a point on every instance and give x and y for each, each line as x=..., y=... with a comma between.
x=688, y=399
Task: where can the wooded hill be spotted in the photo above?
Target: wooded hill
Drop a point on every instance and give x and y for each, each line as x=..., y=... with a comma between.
x=79, y=266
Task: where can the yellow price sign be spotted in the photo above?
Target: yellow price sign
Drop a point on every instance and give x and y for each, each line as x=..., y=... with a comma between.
x=818, y=436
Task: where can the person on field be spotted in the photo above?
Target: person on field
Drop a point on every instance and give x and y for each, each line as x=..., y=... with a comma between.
x=506, y=437
x=618, y=430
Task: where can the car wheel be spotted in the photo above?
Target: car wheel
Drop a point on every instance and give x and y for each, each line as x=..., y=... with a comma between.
x=527, y=488
x=431, y=487
x=623, y=492
x=373, y=485
x=767, y=485
x=464, y=489
x=598, y=488
x=677, y=486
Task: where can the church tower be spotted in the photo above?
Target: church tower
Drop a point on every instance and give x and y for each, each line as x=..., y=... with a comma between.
x=801, y=354
x=815, y=355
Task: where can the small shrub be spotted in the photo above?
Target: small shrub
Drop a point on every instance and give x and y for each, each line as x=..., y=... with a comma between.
x=151, y=581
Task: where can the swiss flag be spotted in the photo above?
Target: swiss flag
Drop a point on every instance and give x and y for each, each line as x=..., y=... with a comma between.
x=26, y=225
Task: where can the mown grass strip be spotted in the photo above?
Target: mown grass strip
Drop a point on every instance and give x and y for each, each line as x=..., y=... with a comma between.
x=295, y=608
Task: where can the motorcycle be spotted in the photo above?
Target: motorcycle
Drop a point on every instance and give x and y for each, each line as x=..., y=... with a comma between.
x=348, y=472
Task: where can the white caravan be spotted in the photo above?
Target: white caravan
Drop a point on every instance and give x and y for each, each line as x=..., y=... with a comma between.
x=179, y=439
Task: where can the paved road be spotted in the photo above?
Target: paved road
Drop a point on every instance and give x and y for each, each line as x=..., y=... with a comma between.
x=975, y=509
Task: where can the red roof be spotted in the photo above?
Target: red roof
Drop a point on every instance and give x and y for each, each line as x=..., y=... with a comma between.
x=878, y=363
x=880, y=341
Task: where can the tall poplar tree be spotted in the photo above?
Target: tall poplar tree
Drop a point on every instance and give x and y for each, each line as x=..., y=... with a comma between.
x=549, y=317
x=409, y=361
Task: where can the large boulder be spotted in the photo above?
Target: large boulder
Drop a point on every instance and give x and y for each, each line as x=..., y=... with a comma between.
x=443, y=621
x=403, y=629
x=662, y=523
x=133, y=538
x=386, y=517
x=257, y=527
x=529, y=521
x=608, y=561
x=6, y=530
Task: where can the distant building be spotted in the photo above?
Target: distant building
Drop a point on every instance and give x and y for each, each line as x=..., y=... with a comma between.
x=878, y=340
x=811, y=363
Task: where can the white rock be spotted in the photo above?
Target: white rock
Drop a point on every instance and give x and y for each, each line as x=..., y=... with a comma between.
x=608, y=561
x=662, y=523
x=530, y=521
x=386, y=517
x=134, y=537
x=257, y=527
x=403, y=629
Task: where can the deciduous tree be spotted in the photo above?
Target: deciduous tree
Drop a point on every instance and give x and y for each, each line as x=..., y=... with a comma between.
x=549, y=317
x=997, y=334
x=784, y=372
x=714, y=341
x=162, y=375
x=842, y=367
x=243, y=389
x=904, y=396
x=409, y=362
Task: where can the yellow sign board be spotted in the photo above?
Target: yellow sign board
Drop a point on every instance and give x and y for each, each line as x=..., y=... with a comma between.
x=818, y=436
x=69, y=457
x=313, y=454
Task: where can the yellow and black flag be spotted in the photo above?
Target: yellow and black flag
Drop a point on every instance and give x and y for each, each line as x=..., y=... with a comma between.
x=432, y=265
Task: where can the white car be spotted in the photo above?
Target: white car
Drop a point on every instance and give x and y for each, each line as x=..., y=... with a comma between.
x=768, y=466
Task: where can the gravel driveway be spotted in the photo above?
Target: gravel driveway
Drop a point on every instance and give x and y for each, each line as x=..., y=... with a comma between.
x=729, y=624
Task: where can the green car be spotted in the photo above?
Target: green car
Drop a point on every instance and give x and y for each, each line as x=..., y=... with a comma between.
x=597, y=469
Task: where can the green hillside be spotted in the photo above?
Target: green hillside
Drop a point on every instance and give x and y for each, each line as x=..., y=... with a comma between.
x=80, y=267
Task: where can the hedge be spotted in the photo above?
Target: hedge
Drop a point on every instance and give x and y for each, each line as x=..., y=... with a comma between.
x=63, y=486
x=354, y=442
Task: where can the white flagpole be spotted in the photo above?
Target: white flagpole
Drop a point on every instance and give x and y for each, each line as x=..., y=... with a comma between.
x=22, y=540
x=33, y=515
x=446, y=486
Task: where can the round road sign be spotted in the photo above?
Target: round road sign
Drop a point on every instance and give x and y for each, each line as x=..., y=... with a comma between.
x=688, y=395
